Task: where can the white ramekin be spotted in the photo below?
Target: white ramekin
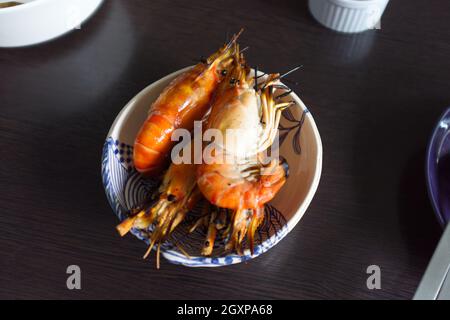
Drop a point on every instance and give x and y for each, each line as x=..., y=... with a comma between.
x=348, y=15
x=42, y=20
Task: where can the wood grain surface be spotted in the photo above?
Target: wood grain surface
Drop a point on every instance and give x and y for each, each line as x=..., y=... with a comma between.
x=375, y=97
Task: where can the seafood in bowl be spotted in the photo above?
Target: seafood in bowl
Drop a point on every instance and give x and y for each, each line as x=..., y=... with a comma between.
x=237, y=201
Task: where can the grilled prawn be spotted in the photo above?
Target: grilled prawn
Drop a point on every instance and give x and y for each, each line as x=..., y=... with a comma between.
x=177, y=194
x=186, y=99
x=236, y=178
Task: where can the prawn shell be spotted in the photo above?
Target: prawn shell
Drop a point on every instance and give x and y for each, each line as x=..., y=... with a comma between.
x=184, y=101
x=236, y=194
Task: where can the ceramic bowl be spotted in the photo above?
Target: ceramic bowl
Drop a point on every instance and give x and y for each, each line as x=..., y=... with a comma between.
x=301, y=146
x=37, y=21
x=349, y=16
x=438, y=169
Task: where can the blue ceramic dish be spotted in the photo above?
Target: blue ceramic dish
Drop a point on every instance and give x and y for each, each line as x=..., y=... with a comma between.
x=125, y=188
x=438, y=169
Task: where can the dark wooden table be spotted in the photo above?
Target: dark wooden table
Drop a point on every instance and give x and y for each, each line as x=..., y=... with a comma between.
x=375, y=98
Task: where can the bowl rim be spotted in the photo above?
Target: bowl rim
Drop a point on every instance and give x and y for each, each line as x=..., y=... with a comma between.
x=125, y=112
x=430, y=158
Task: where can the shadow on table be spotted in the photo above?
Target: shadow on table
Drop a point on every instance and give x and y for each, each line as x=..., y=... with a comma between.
x=418, y=223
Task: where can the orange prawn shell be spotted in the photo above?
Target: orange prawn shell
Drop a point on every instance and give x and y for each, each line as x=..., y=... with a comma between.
x=233, y=193
x=186, y=99
x=221, y=183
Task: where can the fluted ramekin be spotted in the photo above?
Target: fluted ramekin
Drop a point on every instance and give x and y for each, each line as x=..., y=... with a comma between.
x=348, y=16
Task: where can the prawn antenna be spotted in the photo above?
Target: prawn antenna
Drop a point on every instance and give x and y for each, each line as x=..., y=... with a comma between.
x=245, y=49
x=234, y=38
x=290, y=71
x=282, y=76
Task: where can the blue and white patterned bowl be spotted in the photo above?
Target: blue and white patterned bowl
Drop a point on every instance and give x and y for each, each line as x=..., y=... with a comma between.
x=301, y=146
